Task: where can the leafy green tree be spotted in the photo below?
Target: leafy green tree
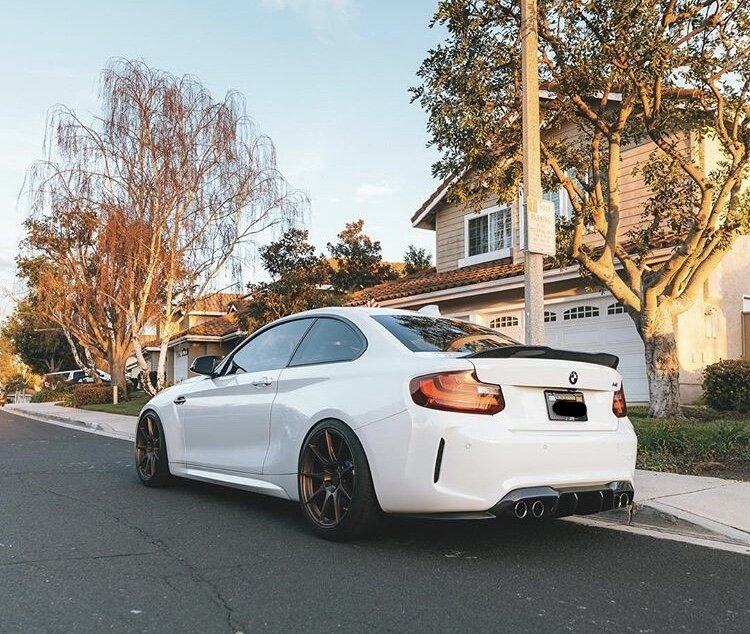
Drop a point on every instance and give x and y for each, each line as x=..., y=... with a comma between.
x=416, y=260
x=299, y=281
x=617, y=72
x=357, y=260
x=39, y=342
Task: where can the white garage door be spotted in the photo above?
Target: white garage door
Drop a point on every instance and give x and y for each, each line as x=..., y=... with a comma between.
x=600, y=326
x=595, y=325
x=180, y=366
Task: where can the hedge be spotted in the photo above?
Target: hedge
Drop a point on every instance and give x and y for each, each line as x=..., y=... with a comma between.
x=90, y=395
x=726, y=385
x=49, y=395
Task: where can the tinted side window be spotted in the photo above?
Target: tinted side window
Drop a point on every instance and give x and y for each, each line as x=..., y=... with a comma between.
x=327, y=341
x=271, y=349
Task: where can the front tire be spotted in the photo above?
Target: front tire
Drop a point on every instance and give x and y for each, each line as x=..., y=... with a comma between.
x=335, y=486
x=151, y=463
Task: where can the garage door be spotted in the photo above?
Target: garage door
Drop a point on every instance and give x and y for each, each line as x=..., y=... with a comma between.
x=596, y=325
x=600, y=326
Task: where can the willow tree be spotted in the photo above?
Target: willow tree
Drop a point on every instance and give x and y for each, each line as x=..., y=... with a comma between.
x=616, y=72
x=175, y=183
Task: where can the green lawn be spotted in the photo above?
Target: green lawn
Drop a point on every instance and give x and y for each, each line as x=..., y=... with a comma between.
x=705, y=442
x=131, y=407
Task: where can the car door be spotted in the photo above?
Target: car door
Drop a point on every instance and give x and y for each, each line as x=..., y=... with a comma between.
x=319, y=377
x=225, y=419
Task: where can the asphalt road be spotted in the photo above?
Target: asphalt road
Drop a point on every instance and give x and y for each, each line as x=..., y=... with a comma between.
x=85, y=548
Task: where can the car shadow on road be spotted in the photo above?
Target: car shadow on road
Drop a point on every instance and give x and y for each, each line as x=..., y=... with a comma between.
x=452, y=538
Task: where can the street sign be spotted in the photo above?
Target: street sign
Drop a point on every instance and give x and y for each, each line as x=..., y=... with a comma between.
x=540, y=228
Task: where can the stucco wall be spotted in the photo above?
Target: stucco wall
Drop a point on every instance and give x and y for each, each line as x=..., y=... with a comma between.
x=712, y=329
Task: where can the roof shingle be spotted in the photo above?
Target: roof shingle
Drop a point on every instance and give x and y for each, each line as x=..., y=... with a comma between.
x=430, y=281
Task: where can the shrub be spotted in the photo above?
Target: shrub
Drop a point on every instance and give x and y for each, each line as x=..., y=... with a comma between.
x=50, y=395
x=726, y=385
x=90, y=395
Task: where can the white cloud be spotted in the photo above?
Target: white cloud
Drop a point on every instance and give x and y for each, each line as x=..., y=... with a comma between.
x=368, y=191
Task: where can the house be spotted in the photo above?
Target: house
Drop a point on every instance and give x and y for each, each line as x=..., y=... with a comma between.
x=479, y=277
x=210, y=327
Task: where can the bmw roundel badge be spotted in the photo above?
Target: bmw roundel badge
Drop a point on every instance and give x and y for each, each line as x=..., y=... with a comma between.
x=573, y=378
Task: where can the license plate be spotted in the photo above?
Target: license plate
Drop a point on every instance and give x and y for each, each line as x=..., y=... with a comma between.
x=568, y=406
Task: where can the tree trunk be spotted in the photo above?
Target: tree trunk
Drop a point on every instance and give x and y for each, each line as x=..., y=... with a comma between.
x=662, y=365
x=117, y=361
x=145, y=370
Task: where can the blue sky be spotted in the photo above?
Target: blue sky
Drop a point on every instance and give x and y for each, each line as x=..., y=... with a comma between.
x=327, y=80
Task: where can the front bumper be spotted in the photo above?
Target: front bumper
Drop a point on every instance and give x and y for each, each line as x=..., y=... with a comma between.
x=482, y=463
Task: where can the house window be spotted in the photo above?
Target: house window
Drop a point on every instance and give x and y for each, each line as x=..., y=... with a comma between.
x=549, y=316
x=488, y=235
x=506, y=321
x=560, y=199
x=615, y=309
x=580, y=312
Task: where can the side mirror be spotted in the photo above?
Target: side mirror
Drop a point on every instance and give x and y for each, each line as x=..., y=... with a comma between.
x=205, y=365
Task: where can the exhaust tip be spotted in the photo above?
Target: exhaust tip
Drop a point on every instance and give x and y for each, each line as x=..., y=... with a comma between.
x=520, y=509
x=621, y=501
x=537, y=509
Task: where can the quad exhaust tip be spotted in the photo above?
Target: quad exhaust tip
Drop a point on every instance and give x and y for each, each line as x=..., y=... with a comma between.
x=622, y=501
x=521, y=509
x=537, y=509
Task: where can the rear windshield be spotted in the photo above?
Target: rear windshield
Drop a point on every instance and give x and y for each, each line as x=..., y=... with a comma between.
x=421, y=333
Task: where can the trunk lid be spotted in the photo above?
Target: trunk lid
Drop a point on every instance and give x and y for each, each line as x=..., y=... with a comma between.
x=527, y=382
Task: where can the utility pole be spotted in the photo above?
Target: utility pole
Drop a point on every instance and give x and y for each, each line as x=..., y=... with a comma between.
x=532, y=174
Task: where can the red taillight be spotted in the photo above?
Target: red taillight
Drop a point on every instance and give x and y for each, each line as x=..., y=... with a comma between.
x=619, y=406
x=457, y=392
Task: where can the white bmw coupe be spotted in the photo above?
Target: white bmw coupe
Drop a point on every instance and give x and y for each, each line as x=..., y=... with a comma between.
x=358, y=411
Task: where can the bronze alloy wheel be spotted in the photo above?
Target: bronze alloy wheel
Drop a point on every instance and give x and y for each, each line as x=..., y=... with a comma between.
x=148, y=448
x=327, y=477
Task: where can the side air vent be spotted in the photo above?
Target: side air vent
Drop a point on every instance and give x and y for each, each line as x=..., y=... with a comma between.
x=439, y=460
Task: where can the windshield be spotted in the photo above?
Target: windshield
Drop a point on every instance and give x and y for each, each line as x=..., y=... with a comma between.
x=420, y=333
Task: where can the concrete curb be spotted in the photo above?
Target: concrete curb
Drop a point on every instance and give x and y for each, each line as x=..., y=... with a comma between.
x=72, y=423
x=656, y=502
x=735, y=534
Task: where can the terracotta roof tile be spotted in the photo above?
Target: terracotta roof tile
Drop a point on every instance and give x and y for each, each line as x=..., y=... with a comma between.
x=429, y=281
x=216, y=303
x=217, y=327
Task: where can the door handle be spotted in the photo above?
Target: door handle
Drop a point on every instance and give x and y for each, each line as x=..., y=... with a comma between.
x=262, y=381
x=179, y=400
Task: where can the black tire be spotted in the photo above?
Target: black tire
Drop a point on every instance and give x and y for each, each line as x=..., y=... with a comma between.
x=336, y=493
x=151, y=462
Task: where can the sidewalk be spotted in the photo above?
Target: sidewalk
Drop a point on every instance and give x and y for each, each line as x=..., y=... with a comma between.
x=114, y=425
x=719, y=506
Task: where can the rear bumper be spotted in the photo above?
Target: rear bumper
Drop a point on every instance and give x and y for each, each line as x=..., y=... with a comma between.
x=539, y=502
x=482, y=464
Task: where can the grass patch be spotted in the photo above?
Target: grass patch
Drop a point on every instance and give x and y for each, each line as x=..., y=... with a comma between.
x=131, y=407
x=704, y=442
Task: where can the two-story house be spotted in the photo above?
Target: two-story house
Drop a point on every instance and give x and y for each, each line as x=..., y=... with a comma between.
x=479, y=277
x=210, y=327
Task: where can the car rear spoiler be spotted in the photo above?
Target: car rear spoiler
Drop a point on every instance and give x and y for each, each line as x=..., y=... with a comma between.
x=544, y=352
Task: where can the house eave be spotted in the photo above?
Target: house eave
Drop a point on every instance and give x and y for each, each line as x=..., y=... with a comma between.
x=206, y=338
x=502, y=284
x=420, y=221
x=480, y=288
